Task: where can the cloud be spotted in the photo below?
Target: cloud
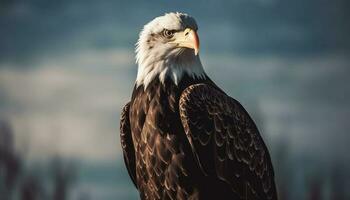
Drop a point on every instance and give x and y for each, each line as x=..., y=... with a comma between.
x=69, y=105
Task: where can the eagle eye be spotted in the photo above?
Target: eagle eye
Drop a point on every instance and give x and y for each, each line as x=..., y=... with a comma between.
x=168, y=33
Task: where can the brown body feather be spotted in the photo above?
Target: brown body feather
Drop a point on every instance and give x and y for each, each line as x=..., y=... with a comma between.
x=192, y=141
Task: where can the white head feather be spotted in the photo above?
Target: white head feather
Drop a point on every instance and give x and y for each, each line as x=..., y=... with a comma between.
x=156, y=57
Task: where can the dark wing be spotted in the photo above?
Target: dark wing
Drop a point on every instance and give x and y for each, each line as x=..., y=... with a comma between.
x=127, y=144
x=226, y=142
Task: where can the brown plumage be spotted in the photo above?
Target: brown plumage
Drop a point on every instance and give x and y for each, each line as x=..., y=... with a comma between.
x=193, y=141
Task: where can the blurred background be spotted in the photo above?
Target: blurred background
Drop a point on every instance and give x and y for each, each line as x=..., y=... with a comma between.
x=67, y=68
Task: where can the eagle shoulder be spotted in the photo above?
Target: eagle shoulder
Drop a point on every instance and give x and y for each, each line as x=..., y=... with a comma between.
x=226, y=142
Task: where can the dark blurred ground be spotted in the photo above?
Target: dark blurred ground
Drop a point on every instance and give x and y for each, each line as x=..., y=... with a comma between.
x=67, y=68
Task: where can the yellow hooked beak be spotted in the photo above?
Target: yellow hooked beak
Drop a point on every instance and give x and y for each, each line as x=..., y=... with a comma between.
x=187, y=38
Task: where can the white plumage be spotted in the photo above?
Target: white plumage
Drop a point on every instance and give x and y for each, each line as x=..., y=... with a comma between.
x=157, y=57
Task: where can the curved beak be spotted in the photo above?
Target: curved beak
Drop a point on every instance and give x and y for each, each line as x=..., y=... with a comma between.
x=187, y=38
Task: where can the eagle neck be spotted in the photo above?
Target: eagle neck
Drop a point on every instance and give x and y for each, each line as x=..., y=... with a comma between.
x=170, y=68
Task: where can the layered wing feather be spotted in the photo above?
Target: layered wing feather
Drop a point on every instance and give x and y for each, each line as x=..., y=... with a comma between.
x=226, y=142
x=127, y=144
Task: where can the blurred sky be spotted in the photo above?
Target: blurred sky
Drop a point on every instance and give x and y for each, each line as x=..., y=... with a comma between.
x=67, y=68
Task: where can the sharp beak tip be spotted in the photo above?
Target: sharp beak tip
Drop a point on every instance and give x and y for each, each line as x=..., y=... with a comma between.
x=196, y=52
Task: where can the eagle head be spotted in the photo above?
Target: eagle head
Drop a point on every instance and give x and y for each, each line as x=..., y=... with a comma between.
x=168, y=47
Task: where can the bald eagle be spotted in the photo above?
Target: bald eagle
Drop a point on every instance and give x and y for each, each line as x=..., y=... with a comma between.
x=182, y=136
